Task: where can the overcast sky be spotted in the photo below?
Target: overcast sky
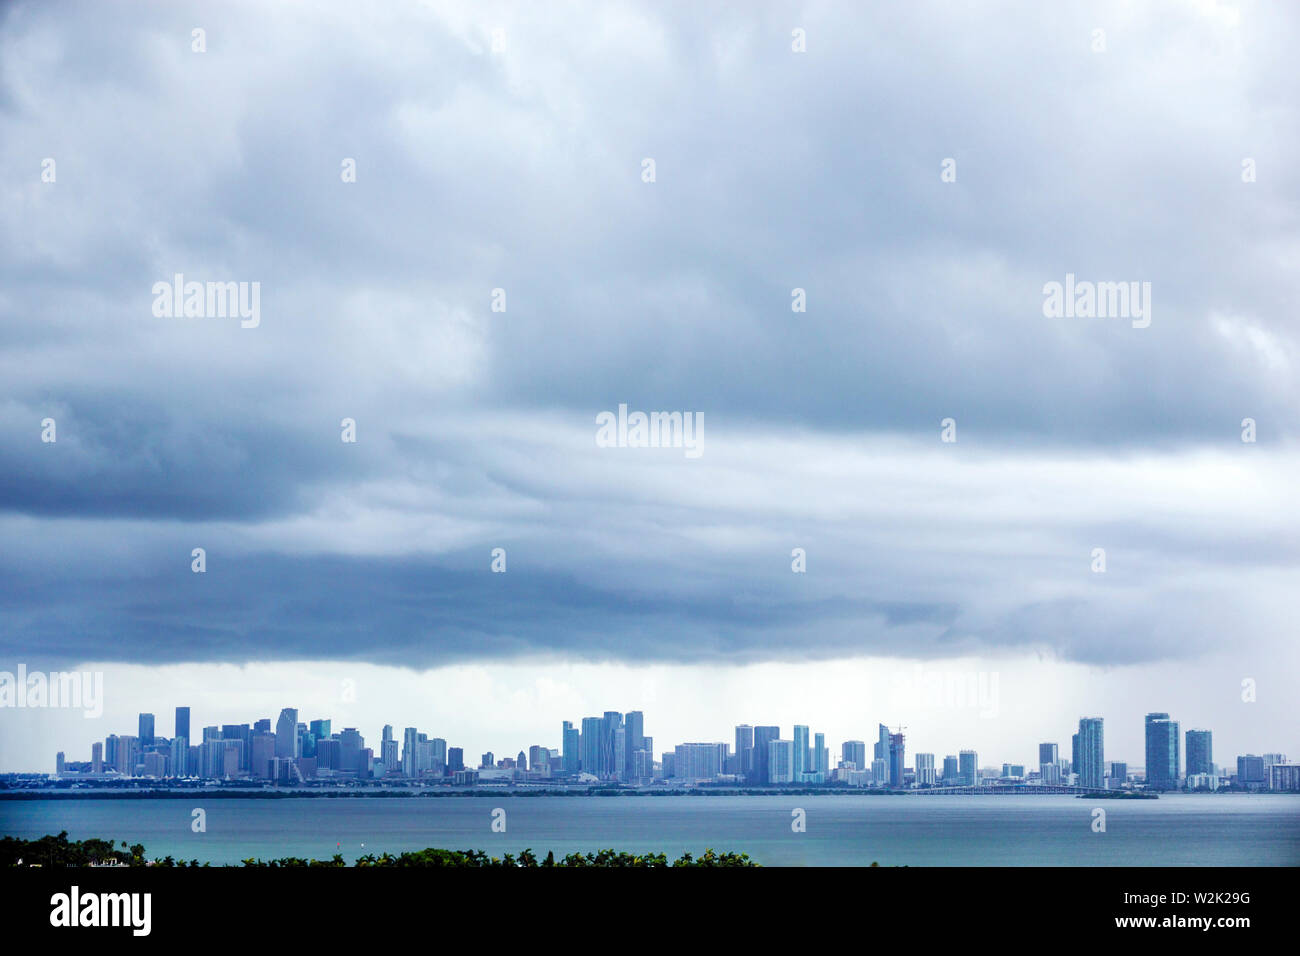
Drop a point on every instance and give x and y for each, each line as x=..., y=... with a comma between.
x=503, y=146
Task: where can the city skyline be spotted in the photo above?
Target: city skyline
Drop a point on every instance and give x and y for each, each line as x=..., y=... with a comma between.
x=611, y=746
x=689, y=709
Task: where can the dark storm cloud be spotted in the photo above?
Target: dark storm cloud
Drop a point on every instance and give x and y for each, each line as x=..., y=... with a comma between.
x=414, y=613
x=130, y=460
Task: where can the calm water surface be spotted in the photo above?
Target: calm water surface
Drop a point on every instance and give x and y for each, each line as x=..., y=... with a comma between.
x=1177, y=830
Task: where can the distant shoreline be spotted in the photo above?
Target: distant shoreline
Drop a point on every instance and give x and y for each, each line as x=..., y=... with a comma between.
x=395, y=793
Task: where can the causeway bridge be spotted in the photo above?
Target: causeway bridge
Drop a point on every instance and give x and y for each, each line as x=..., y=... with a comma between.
x=1012, y=789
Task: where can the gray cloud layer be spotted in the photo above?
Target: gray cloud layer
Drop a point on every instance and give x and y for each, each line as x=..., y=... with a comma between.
x=520, y=169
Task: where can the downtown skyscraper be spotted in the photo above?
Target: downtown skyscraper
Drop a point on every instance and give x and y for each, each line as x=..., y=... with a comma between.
x=286, y=734
x=571, y=747
x=1162, y=763
x=855, y=752
x=968, y=768
x=1200, y=752
x=880, y=756
x=633, y=740
x=1049, y=769
x=1090, y=762
x=780, y=761
x=763, y=736
x=925, y=773
x=897, y=759
x=801, y=752
x=590, y=752
x=744, y=749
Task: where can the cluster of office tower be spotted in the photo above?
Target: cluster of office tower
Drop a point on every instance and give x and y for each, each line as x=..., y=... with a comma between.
x=613, y=748
x=1163, y=769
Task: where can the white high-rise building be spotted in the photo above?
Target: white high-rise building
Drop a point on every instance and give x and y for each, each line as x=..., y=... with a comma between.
x=880, y=772
x=780, y=761
x=699, y=761
x=925, y=773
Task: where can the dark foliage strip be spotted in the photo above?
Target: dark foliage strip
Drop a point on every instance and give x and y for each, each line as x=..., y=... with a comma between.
x=54, y=851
